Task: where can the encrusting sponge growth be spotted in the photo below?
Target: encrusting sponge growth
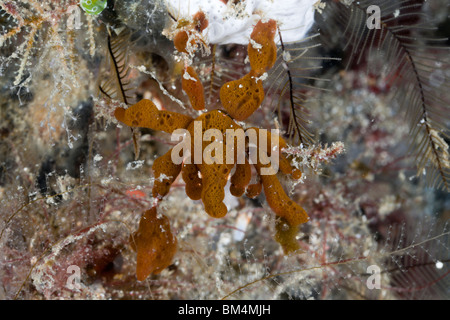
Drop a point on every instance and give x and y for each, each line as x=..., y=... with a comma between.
x=193, y=87
x=240, y=98
x=262, y=50
x=146, y=115
x=154, y=243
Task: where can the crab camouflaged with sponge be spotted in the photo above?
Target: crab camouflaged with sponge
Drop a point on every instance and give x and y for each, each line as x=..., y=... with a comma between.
x=220, y=22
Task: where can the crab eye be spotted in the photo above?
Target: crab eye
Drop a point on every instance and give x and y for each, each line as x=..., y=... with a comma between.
x=93, y=6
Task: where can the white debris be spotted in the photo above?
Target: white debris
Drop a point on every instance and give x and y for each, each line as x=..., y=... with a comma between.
x=262, y=78
x=319, y=6
x=187, y=76
x=233, y=23
x=97, y=158
x=134, y=165
x=286, y=56
x=255, y=44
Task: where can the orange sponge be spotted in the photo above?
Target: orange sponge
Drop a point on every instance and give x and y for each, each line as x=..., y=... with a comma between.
x=145, y=114
x=193, y=87
x=191, y=30
x=277, y=199
x=180, y=41
x=165, y=173
x=262, y=50
x=280, y=203
x=242, y=97
x=240, y=179
x=285, y=235
x=154, y=243
x=214, y=174
x=253, y=190
x=194, y=184
x=200, y=21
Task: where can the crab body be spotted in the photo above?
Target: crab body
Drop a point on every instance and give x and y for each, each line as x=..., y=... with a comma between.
x=206, y=168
